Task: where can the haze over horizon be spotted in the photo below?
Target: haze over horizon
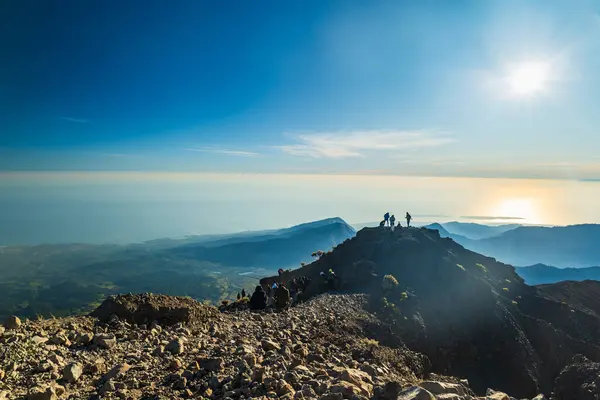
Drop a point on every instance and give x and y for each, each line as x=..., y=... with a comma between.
x=125, y=121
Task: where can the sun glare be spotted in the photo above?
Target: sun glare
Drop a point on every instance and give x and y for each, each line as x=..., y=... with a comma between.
x=528, y=79
x=512, y=209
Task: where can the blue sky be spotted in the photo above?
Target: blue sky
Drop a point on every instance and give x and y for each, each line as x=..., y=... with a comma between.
x=380, y=87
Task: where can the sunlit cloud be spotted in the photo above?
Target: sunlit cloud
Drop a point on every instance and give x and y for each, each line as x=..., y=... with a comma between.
x=219, y=150
x=359, y=143
x=75, y=120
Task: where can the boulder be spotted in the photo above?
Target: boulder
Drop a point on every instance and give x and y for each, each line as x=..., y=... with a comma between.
x=415, y=393
x=147, y=308
x=436, y=387
x=12, y=322
x=580, y=380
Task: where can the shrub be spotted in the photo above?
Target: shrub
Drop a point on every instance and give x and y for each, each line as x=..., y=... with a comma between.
x=514, y=303
x=389, y=282
x=318, y=254
x=461, y=267
x=403, y=296
x=482, y=268
x=507, y=280
x=369, y=342
x=505, y=289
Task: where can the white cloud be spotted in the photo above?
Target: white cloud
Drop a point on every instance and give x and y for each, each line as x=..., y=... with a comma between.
x=218, y=150
x=357, y=143
x=75, y=120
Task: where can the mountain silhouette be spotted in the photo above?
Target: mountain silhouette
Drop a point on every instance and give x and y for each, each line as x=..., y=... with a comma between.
x=477, y=231
x=470, y=314
x=568, y=246
x=285, y=248
x=540, y=274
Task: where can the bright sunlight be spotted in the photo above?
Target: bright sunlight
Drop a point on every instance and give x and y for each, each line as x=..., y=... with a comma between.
x=528, y=79
x=517, y=208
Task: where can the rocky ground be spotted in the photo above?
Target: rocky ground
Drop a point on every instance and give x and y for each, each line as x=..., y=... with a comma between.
x=159, y=347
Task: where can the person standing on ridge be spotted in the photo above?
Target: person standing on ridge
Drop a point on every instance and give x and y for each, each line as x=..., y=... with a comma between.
x=392, y=222
x=408, y=219
x=386, y=218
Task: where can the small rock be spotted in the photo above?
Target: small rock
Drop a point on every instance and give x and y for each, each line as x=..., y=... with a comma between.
x=106, y=341
x=72, y=372
x=116, y=372
x=176, y=347
x=175, y=364
x=39, y=393
x=268, y=345
x=211, y=364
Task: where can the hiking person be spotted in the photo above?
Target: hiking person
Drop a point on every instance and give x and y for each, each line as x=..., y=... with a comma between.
x=243, y=293
x=282, y=297
x=392, y=222
x=258, y=301
x=386, y=218
x=280, y=271
x=331, y=278
x=408, y=218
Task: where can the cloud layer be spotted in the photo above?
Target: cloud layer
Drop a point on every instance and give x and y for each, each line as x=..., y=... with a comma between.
x=219, y=150
x=360, y=143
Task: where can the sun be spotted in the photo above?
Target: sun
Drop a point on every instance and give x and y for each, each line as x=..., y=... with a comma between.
x=516, y=209
x=528, y=79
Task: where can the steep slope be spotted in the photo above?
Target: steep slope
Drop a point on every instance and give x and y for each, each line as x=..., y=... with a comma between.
x=568, y=246
x=465, y=311
x=541, y=274
x=283, y=249
x=584, y=296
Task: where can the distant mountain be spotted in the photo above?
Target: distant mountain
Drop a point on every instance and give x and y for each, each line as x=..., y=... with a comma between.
x=477, y=231
x=569, y=246
x=446, y=234
x=73, y=278
x=284, y=248
x=540, y=274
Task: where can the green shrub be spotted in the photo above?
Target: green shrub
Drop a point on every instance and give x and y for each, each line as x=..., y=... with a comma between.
x=507, y=280
x=403, y=296
x=505, y=289
x=389, y=282
x=482, y=268
x=461, y=267
x=514, y=303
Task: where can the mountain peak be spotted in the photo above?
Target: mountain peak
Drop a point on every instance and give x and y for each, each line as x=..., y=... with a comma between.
x=465, y=311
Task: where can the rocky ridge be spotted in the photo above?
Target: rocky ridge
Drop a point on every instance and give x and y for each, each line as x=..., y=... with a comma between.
x=329, y=348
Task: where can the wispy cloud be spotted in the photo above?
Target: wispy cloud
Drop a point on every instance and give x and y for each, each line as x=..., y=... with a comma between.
x=75, y=120
x=491, y=218
x=359, y=143
x=219, y=150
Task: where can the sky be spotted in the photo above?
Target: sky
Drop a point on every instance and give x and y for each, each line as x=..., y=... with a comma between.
x=498, y=89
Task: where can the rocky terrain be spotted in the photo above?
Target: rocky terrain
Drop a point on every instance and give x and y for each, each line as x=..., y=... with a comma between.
x=160, y=347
